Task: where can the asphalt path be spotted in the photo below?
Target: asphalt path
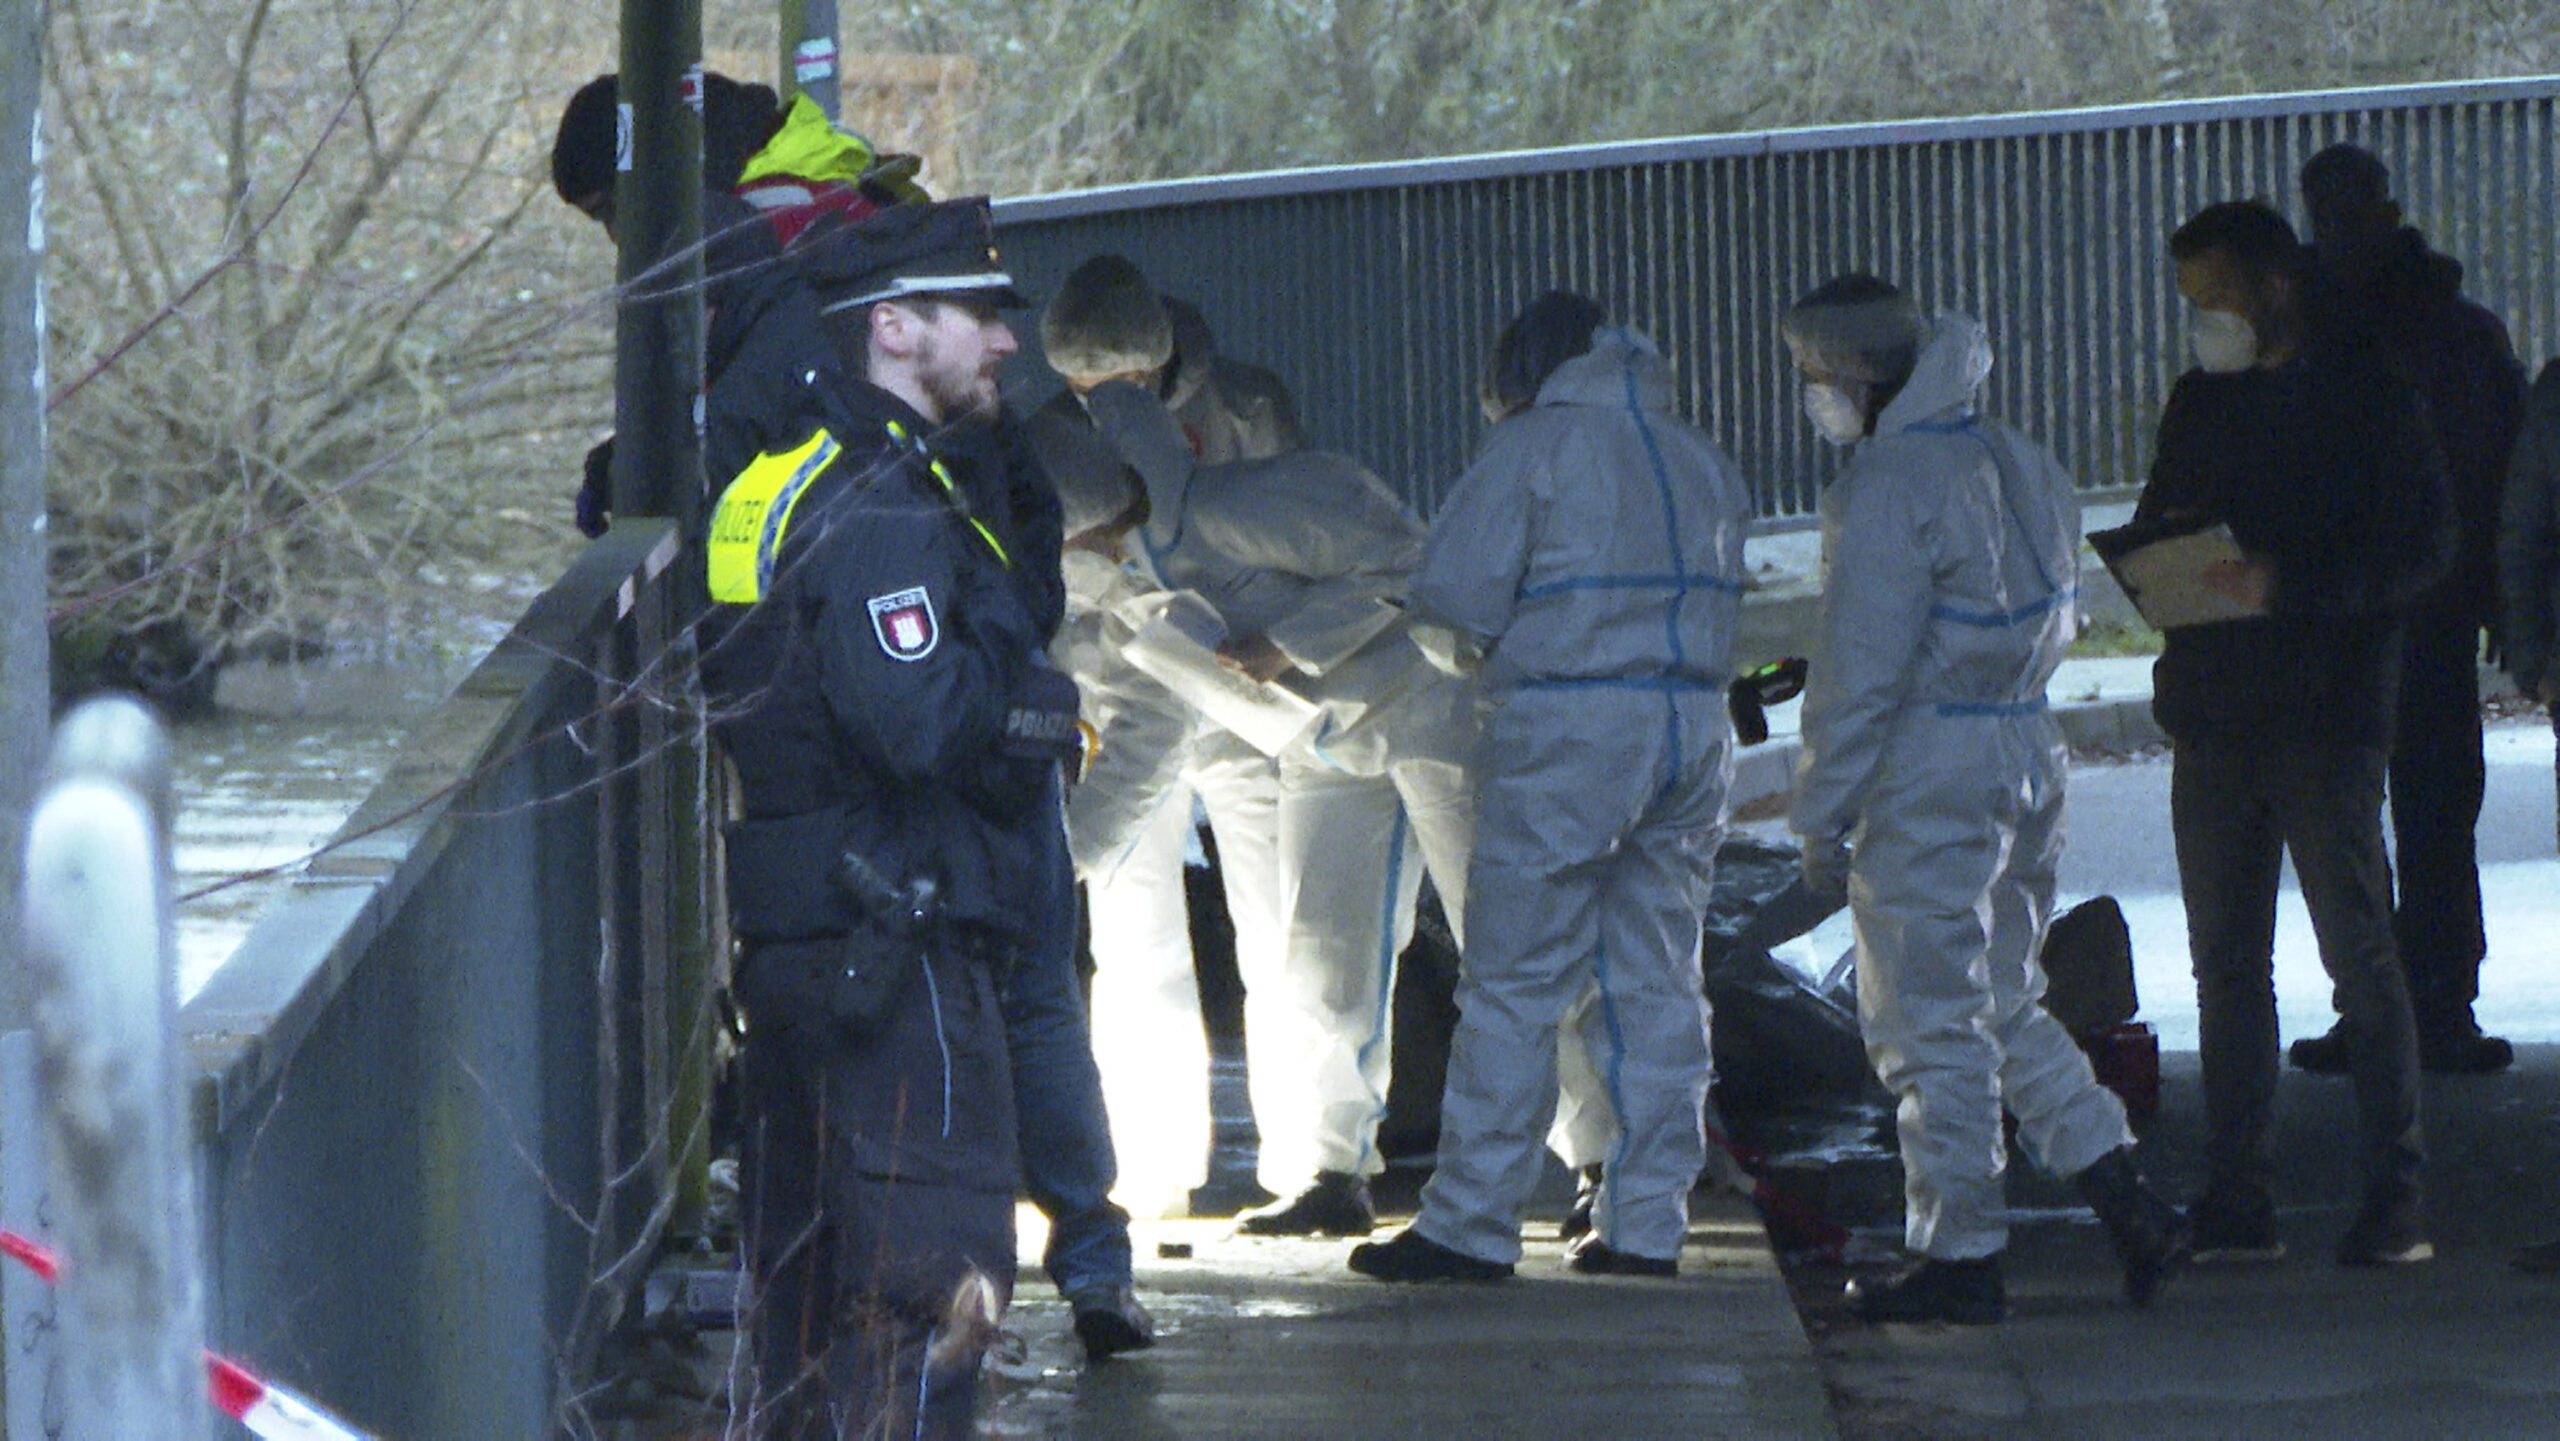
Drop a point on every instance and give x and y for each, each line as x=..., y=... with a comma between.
x=2460, y=1346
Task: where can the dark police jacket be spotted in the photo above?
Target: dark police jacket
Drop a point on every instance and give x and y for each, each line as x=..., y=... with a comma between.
x=868, y=628
x=2324, y=466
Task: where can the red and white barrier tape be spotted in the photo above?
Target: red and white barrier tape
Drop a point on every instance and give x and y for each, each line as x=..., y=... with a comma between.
x=271, y=1412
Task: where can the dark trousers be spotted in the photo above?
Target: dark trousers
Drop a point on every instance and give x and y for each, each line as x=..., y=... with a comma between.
x=2437, y=777
x=2235, y=811
x=877, y=1180
x=1068, y=1164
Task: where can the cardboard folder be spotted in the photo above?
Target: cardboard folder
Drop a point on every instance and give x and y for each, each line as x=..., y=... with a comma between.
x=2163, y=573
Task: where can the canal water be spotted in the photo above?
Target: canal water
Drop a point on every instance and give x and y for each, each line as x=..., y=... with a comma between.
x=265, y=782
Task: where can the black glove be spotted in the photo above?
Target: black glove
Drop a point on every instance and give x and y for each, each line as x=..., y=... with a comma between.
x=595, y=493
x=1750, y=695
x=1040, y=718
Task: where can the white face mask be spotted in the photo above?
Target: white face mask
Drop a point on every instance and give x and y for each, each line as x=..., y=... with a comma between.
x=2224, y=341
x=1835, y=413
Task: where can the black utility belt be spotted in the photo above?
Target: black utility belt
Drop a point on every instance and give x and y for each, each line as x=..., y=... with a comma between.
x=811, y=876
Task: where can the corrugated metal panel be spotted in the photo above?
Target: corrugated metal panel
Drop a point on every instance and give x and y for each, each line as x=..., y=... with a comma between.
x=1375, y=290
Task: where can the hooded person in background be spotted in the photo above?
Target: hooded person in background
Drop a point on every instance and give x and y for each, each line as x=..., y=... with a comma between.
x=2380, y=278
x=1304, y=559
x=1594, y=550
x=769, y=175
x=2529, y=551
x=1931, y=788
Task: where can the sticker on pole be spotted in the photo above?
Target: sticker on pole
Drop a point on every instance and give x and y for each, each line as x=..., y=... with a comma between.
x=903, y=620
x=813, y=60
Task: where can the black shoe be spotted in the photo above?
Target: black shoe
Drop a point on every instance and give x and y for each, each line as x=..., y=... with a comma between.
x=2151, y=1238
x=1586, y=1195
x=2387, y=1231
x=1109, y=1320
x=2233, y=1223
x=2461, y=1050
x=1966, y=1293
x=2329, y=1054
x=1225, y=1196
x=1592, y=1256
x=1408, y=1255
x=1336, y=1205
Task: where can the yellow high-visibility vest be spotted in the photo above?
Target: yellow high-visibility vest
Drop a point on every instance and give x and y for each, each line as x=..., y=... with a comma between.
x=748, y=523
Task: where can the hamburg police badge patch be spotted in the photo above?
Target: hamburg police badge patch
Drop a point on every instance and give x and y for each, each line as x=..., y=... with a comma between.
x=903, y=620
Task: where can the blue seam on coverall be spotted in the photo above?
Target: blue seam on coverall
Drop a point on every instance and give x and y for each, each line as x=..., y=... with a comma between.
x=1970, y=425
x=1689, y=580
x=1673, y=762
x=1386, y=978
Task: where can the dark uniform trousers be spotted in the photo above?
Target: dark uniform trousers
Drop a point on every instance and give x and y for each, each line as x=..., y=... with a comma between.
x=878, y=1176
x=2437, y=778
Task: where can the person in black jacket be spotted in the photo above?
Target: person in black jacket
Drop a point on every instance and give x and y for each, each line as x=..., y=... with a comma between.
x=2315, y=454
x=875, y=670
x=2379, y=277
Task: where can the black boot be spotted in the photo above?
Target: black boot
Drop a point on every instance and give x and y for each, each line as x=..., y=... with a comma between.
x=1967, y=1293
x=1336, y=1205
x=1586, y=1194
x=1592, y=1256
x=2151, y=1237
x=1408, y=1255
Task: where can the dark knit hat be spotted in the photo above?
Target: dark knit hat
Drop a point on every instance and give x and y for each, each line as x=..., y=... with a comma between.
x=738, y=117
x=939, y=248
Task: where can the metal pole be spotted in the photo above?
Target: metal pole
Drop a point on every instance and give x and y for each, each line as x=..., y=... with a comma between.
x=657, y=412
x=809, y=59
x=27, y=1355
x=26, y=685
x=102, y=976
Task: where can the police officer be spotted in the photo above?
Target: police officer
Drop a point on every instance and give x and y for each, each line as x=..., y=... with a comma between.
x=874, y=670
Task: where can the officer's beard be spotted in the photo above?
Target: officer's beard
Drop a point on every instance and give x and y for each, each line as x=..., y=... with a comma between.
x=959, y=395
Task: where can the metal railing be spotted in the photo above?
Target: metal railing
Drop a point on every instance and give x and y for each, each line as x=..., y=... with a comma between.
x=1375, y=290
x=446, y=1089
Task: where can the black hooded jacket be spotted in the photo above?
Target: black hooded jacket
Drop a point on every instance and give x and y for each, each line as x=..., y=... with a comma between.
x=2458, y=356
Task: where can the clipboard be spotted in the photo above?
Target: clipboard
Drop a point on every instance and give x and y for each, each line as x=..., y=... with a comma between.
x=2163, y=574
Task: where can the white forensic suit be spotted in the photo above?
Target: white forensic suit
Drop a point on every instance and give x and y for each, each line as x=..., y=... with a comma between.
x=1595, y=546
x=1950, y=570
x=1129, y=830
x=1305, y=549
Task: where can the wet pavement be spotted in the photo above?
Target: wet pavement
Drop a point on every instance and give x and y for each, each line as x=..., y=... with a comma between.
x=1268, y=1338
x=1277, y=1339
x=2460, y=1346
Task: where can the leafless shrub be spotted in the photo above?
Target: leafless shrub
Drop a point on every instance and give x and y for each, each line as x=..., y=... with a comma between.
x=309, y=322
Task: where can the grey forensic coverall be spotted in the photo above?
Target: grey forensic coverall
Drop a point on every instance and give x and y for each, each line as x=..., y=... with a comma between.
x=1950, y=568
x=1302, y=548
x=1595, y=548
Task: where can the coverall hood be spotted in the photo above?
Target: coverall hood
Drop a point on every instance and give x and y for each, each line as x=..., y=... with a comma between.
x=1953, y=363
x=1619, y=361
